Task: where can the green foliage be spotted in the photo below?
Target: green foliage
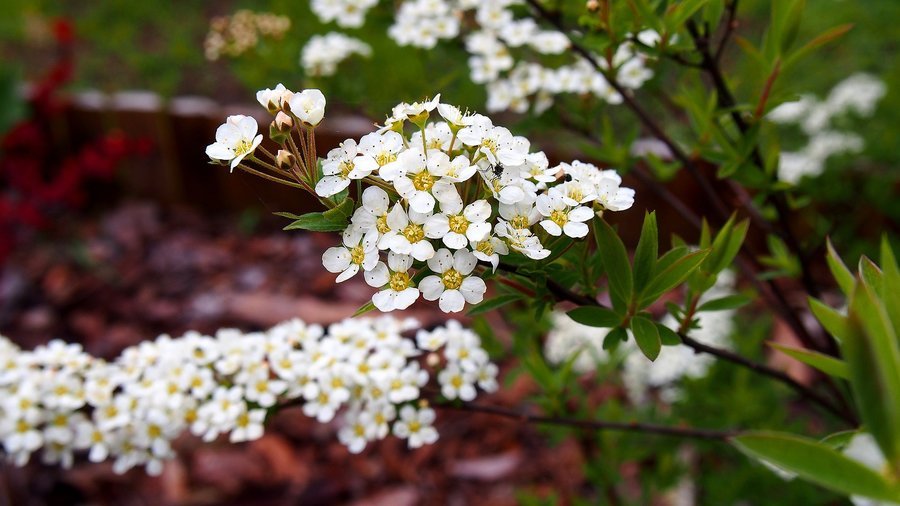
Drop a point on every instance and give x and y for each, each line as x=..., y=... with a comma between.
x=335, y=219
x=818, y=463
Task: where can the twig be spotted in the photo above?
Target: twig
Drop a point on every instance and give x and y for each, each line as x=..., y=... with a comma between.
x=662, y=430
x=563, y=293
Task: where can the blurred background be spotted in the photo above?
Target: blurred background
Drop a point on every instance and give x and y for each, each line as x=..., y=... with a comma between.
x=115, y=229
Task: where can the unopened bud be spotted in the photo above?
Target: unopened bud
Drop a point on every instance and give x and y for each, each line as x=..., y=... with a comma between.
x=283, y=122
x=593, y=5
x=285, y=160
x=433, y=360
x=276, y=134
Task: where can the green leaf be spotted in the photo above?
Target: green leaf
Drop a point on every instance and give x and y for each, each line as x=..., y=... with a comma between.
x=615, y=261
x=342, y=212
x=723, y=303
x=841, y=273
x=829, y=365
x=595, y=316
x=647, y=336
x=667, y=336
x=646, y=252
x=840, y=439
x=817, y=463
x=822, y=39
x=871, y=274
x=834, y=322
x=494, y=303
x=873, y=358
x=615, y=337
x=672, y=276
x=670, y=257
x=365, y=308
x=891, y=282
x=726, y=245
x=316, y=222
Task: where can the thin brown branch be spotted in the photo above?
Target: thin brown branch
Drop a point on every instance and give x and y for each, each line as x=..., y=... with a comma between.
x=847, y=415
x=647, y=428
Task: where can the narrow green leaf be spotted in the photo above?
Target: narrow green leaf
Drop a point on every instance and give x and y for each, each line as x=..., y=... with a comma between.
x=840, y=439
x=646, y=252
x=822, y=39
x=647, y=336
x=667, y=336
x=672, y=276
x=726, y=245
x=870, y=274
x=829, y=365
x=817, y=463
x=316, y=222
x=615, y=261
x=365, y=308
x=494, y=303
x=834, y=322
x=841, y=273
x=873, y=358
x=285, y=214
x=594, y=316
x=892, y=284
x=723, y=303
x=670, y=257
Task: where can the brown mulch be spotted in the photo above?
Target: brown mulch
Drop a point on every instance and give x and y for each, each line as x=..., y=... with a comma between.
x=141, y=270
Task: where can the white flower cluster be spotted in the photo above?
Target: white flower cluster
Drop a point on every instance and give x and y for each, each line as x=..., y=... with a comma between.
x=570, y=340
x=236, y=34
x=858, y=94
x=505, y=50
x=346, y=13
x=451, y=193
x=567, y=338
x=322, y=53
x=59, y=399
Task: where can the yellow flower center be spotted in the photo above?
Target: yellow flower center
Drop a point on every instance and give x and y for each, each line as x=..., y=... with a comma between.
x=413, y=233
x=154, y=431
x=399, y=281
x=485, y=247
x=456, y=381
x=243, y=147
x=243, y=420
x=381, y=225
x=452, y=279
x=345, y=168
x=415, y=426
x=559, y=217
x=459, y=224
x=490, y=144
x=384, y=158
x=576, y=193
x=357, y=255
x=519, y=221
x=423, y=181
x=434, y=143
x=359, y=430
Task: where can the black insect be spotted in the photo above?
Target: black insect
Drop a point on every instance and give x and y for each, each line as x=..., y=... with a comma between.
x=567, y=178
x=498, y=169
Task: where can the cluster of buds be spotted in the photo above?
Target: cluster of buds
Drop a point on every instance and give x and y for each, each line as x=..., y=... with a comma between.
x=234, y=35
x=60, y=400
x=441, y=191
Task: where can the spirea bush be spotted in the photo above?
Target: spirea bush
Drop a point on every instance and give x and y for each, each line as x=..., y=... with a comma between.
x=440, y=203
